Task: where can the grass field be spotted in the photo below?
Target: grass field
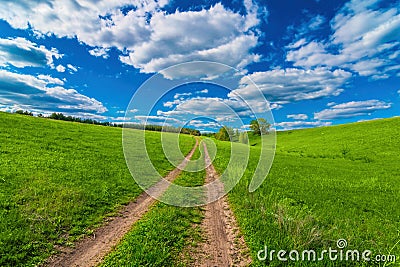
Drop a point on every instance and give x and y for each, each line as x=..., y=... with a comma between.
x=58, y=180
x=326, y=184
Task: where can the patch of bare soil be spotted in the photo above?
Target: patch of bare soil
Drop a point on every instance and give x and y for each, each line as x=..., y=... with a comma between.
x=91, y=250
x=223, y=245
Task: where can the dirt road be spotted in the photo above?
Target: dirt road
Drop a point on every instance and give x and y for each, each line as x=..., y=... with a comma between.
x=91, y=250
x=223, y=244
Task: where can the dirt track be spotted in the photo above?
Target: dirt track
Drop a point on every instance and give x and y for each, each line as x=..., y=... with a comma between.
x=223, y=245
x=90, y=251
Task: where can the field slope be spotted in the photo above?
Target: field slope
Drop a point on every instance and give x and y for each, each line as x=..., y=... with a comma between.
x=326, y=184
x=58, y=180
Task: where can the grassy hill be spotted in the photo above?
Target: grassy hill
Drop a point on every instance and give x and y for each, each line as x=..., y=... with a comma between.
x=326, y=184
x=58, y=180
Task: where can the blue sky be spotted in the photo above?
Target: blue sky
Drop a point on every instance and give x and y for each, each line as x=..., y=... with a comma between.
x=316, y=62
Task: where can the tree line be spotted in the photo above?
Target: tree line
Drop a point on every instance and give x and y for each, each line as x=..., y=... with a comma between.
x=159, y=128
x=147, y=127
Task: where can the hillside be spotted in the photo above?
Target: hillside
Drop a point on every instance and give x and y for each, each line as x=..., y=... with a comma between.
x=58, y=180
x=326, y=184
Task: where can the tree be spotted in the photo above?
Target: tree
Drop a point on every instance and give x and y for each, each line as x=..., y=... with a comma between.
x=223, y=134
x=21, y=112
x=260, y=126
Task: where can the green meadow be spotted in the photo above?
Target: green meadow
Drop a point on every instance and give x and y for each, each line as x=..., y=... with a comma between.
x=326, y=184
x=59, y=180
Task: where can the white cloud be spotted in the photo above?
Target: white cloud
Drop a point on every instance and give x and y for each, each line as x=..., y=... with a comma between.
x=278, y=86
x=50, y=80
x=316, y=22
x=216, y=34
x=179, y=98
x=201, y=124
x=297, y=44
x=363, y=40
x=297, y=116
x=204, y=91
x=178, y=95
x=44, y=93
x=275, y=106
x=292, y=84
x=120, y=118
x=100, y=52
x=60, y=68
x=81, y=19
x=21, y=53
x=72, y=68
x=351, y=109
x=212, y=107
x=310, y=24
x=287, y=125
x=156, y=119
x=170, y=104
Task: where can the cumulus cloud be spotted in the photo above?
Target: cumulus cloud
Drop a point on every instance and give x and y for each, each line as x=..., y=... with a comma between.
x=351, y=109
x=60, y=68
x=288, y=125
x=214, y=107
x=140, y=28
x=21, y=53
x=50, y=80
x=44, y=93
x=216, y=34
x=292, y=84
x=170, y=104
x=201, y=124
x=84, y=19
x=363, y=40
x=99, y=52
x=279, y=86
x=297, y=116
x=156, y=119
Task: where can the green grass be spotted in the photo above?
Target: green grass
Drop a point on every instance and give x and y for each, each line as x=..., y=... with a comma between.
x=161, y=236
x=58, y=180
x=325, y=184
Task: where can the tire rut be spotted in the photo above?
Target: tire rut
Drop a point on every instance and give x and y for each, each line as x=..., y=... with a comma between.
x=223, y=244
x=91, y=250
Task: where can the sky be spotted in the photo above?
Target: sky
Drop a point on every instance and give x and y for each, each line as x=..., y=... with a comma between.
x=298, y=63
